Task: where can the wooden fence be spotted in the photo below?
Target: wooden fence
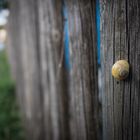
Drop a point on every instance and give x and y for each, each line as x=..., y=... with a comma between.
x=52, y=47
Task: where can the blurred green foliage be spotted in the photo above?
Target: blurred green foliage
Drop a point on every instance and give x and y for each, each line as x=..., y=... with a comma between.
x=10, y=123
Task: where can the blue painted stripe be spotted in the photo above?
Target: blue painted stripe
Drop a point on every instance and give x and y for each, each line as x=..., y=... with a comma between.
x=98, y=30
x=66, y=38
x=66, y=34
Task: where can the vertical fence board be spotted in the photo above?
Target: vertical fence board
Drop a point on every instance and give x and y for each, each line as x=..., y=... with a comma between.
x=31, y=68
x=83, y=69
x=53, y=72
x=12, y=49
x=25, y=49
x=120, y=40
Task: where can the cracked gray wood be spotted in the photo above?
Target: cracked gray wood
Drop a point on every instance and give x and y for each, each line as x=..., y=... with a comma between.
x=120, y=39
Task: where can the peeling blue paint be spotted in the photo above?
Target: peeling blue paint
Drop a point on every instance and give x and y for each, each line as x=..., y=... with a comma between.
x=66, y=34
x=98, y=30
x=66, y=37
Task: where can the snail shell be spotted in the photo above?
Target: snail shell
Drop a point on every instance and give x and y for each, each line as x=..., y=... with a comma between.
x=120, y=70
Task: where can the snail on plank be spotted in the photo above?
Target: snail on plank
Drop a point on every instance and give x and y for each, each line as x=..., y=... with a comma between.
x=120, y=70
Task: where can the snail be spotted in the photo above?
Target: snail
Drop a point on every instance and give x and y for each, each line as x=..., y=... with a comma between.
x=120, y=70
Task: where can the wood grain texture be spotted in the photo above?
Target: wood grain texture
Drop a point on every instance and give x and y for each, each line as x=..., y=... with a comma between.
x=120, y=37
x=14, y=51
x=54, y=78
x=83, y=72
x=59, y=103
x=24, y=38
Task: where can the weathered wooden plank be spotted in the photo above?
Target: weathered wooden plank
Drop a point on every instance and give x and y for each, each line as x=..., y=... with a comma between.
x=83, y=70
x=120, y=40
x=58, y=81
x=14, y=53
x=24, y=38
x=53, y=72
